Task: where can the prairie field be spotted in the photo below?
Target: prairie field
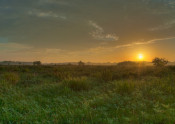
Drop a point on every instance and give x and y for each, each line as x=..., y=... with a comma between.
x=70, y=94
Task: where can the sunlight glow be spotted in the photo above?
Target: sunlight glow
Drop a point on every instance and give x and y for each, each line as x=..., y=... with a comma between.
x=140, y=57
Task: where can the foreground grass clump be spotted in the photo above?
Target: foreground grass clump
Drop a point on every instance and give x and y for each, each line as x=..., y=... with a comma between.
x=77, y=84
x=87, y=95
x=11, y=77
x=125, y=86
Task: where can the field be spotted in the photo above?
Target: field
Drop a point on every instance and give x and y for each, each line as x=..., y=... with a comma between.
x=87, y=94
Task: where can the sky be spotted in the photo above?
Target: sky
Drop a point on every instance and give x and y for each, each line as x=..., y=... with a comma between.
x=87, y=30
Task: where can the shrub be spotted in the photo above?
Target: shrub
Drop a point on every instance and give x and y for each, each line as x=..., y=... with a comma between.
x=11, y=77
x=77, y=84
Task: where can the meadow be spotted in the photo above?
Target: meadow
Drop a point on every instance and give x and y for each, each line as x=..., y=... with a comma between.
x=70, y=94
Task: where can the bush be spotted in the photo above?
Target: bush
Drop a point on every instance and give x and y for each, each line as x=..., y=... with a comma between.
x=77, y=84
x=10, y=77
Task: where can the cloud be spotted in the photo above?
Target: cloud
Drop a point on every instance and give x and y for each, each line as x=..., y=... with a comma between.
x=20, y=52
x=166, y=25
x=125, y=22
x=100, y=49
x=54, y=2
x=13, y=47
x=99, y=34
x=172, y=4
x=135, y=43
x=143, y=42
x=48, y=14
x=21, y=48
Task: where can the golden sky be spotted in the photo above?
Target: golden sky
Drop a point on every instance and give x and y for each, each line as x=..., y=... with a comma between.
x=87, y=30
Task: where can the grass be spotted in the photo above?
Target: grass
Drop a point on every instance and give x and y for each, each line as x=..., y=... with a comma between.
x=77, y=84
x=87, y=95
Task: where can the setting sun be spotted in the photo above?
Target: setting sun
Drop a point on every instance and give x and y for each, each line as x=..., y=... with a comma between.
x=140, y=56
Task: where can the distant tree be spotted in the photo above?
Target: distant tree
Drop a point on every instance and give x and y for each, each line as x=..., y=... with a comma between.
x=37, y=63
x=80, y=63
x=159, y=62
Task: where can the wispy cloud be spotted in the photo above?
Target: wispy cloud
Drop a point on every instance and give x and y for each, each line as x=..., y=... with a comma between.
x=18, y=52
x=172, y=4
x=48, y=14
x=111, y=48
x=135, y=43
x=166, y=25
x=54, y=2
x=13, y=47
x=99, y=33
x=143, y=42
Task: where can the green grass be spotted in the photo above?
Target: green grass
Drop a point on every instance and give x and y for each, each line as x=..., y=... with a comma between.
x=87, y=95
x=77, y=84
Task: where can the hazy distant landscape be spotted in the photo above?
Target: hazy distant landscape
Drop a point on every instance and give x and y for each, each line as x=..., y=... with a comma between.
x=67, y=63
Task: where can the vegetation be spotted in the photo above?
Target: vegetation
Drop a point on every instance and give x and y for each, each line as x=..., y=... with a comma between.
x=87, y=94
x=159, y=62
x=80, y=63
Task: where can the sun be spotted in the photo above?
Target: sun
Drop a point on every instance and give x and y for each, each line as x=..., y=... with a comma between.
x=140, y=57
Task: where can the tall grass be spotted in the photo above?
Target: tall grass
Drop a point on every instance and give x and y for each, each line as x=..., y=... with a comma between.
x=10, y=77
x=77, y=84
x=125, y=87
x=87, y=95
